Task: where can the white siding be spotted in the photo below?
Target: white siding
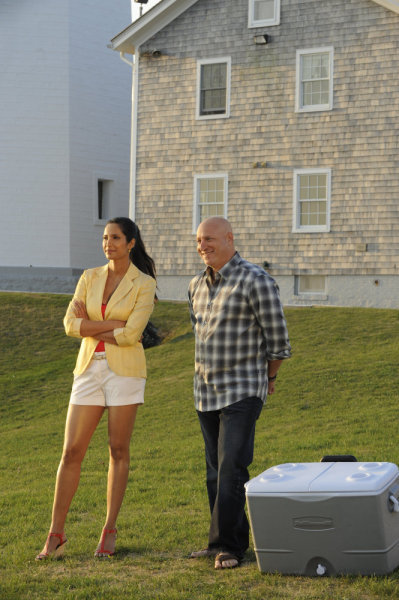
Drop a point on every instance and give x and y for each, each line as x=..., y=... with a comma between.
x=34, y=139
x=100, y=104
x=65, y=115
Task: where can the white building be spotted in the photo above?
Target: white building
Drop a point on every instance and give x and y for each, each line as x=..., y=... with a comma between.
x=64, y=137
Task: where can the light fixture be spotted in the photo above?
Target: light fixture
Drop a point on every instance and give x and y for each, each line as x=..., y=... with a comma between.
x=151, y=53
x=261, y=39
x=141, y=2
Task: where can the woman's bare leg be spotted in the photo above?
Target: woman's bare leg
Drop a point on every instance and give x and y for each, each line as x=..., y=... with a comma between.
x=121, y=421
x=81, y=423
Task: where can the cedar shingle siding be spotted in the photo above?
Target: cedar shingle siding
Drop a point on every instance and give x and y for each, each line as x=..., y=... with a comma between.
x=358, y=139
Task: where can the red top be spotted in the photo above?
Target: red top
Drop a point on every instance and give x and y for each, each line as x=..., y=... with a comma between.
x=100, y=346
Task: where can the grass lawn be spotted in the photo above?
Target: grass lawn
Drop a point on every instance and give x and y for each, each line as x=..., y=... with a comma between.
x=337, y=395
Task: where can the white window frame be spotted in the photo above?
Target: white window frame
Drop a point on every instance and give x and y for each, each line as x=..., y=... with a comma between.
x=299, y=106
x=264, y=22
x=213, y=61
x=196, y=205
x=308, y=293
x=109, y=178
x=297, y=227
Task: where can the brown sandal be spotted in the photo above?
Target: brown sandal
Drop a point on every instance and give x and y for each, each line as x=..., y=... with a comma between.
x=222, y=557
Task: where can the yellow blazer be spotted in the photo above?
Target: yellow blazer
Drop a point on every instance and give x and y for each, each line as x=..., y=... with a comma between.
x=132, y=301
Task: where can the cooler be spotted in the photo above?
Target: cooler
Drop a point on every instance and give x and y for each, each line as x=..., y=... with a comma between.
x=326, y=518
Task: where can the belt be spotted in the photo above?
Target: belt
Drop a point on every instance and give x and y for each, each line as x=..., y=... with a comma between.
x=99, y=356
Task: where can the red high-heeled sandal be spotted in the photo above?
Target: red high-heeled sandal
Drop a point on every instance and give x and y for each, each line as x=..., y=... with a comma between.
x=101, y=552
x=58, y=550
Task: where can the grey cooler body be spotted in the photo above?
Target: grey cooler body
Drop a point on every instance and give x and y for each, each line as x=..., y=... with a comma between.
x=326, y=518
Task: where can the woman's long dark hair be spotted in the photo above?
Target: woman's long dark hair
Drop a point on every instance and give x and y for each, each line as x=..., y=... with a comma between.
x=138, y=254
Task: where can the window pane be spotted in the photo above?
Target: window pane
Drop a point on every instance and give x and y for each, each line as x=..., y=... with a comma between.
x=324, y=67
x=315, y=79
x=104, y=198
x=218, y=75
x=307, y=98
x=304, y=215
x=213, y=88
x=312, y=196
x=313, y=180
x=321, y=213
x=203, y=185
x=312, y=213
x=306, y=67
x=203, y=212
x=211, y=197
x=316, y=66
x=263, y=9
x=325, y=89
x=312, y=283
x=313, y=216
x=214, y=76
x=206, y=76
x=303, y=187
x=324, y=98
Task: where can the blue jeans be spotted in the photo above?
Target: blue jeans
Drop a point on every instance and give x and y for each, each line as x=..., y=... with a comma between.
x=229, y=435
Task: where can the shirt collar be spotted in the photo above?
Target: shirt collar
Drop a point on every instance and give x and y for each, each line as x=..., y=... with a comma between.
x=214, y=276
x=229, y=267
x=211, y=276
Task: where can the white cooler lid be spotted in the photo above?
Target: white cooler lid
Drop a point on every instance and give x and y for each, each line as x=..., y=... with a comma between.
x=324, y=477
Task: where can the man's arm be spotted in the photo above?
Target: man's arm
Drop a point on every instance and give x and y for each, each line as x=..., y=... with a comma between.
x=266, y=305
x=273, y=367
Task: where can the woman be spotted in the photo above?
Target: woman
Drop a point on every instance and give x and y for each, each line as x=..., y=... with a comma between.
x=109, y=310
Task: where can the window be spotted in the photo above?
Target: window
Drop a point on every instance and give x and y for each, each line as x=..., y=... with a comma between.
x=263, y=12
x=213, y=88
x=210, y=197
x=310, y=284
x=314, y=77
x=312, y=190
x=103, y=199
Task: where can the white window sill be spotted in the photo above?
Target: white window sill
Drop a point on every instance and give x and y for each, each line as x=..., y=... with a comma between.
x=207, y=117
x=314, y=108
x=311, y=296
x=315, y=229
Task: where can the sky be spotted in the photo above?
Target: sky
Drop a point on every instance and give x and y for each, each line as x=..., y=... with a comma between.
x=136, y=8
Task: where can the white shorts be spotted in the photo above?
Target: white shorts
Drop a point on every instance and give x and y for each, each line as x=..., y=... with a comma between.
x=99, y=386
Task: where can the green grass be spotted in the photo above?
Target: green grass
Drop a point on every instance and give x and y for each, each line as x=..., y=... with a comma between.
x=338, y=394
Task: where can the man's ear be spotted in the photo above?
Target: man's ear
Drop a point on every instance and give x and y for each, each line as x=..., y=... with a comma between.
x=230, y=237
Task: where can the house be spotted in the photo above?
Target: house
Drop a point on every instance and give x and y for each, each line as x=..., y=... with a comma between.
x=282, y=115
x=64, y=138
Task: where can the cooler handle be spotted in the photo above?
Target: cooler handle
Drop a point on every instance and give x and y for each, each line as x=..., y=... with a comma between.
x=394, y=502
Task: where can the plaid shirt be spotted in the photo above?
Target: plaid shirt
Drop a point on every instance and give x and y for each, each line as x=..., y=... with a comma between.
x=239, y=326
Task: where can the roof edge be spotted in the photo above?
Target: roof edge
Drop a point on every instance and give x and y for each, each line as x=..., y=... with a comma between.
x=160, y=15
x=152, y=21
x=389, y=4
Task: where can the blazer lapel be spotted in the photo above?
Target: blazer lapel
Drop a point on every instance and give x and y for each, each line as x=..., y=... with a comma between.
x=97, y=291
x=123, y=288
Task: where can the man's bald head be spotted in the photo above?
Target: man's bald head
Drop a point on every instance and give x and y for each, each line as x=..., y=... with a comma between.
x=215, y=242
x=219, y=223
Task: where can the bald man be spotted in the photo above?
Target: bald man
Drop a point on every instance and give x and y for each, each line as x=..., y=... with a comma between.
x=241, y=340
